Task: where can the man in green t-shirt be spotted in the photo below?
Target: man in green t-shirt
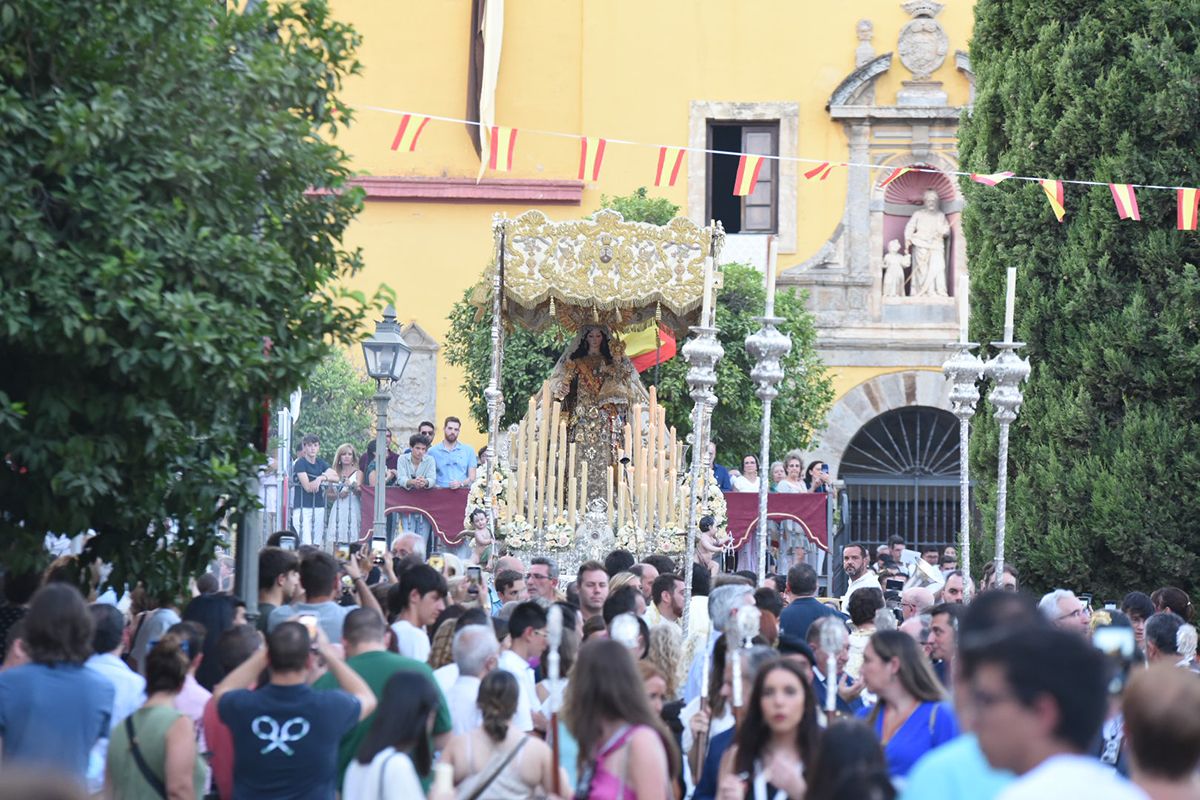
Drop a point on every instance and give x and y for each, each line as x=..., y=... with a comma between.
x=363, y=633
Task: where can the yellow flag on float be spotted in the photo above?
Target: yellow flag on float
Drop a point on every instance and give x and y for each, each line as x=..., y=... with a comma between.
x=747, y=175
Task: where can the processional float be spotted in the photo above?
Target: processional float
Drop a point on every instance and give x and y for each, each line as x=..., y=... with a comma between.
x=593, y=464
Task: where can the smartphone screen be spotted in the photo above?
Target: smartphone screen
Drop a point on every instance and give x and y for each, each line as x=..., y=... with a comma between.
x=309, y=621
x=825, y=468
x=378, y=550
x=341, y=551
x=287, y=542
x=437, y=562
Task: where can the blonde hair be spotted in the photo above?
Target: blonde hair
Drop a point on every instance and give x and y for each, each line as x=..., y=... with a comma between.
x=665, y=653
x=623, y=579
x=337, y=458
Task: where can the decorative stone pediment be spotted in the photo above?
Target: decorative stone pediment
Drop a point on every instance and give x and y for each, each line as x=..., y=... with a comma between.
x=849, y=92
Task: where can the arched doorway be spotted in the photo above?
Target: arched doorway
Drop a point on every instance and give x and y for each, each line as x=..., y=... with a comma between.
x=901, y=475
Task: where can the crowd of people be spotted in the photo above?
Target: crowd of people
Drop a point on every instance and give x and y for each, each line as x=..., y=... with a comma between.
x=402, y=676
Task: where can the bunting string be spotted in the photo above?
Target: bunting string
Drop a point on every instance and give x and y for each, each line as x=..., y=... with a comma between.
x=670, y=157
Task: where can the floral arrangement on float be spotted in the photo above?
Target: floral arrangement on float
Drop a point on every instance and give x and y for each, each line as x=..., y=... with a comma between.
x=516, y=533
x=476, y=499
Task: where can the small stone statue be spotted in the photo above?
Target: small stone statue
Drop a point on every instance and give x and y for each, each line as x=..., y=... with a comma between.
x=925, y=240
x=894, y=264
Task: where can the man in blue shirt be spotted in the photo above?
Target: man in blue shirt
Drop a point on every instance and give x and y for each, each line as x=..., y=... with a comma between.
x=54, y=710
x=286, y=734
x=456, y=462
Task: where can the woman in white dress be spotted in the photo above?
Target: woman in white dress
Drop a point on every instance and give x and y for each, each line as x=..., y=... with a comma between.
x=343, y=521
x=793, y=544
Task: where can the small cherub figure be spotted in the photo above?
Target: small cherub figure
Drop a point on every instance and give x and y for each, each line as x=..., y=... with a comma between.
x=894, y=265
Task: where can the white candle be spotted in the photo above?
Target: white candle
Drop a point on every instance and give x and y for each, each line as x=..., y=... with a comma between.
x=1010, y=299
x=704, y=677
x=707, y=299
x=964, y=307
x=772, y=258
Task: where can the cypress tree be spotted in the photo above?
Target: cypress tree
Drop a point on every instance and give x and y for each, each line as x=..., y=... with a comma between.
x=1104, y=471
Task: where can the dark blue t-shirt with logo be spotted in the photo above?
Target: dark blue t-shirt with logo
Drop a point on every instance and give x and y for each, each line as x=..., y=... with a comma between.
x=285, y=740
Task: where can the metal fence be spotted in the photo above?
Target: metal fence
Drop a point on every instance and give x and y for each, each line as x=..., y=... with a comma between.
x=924, y=510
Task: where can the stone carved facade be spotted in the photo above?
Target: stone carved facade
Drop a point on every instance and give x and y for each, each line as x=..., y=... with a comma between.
x=414, y=396
x=857, y=325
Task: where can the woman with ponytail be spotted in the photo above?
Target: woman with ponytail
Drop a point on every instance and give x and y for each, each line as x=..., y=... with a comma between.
x=152, y=754
x=496, y=761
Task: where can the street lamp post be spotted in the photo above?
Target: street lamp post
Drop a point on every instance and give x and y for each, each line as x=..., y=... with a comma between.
x=386, y=356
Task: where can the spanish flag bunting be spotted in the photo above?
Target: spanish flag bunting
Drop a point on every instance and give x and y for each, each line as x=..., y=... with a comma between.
x=409, y=131
x=500, y=147
x=747, y=175
x=670, y=159
x=1189, y=201
x=820, y=171
x=645, y=350
x=991, y=179
x=1054, y=193
x=896, y=173
x=591, y=155
x=1126, y=200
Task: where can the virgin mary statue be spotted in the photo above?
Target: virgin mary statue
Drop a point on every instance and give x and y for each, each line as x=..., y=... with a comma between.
x=597, y=385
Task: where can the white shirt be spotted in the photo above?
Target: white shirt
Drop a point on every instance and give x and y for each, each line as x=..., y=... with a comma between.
x=1067, y=777
x=461, y=699
x=741, y=483
x=128, y=695
x=411, y=641
x=868, y=580
x=515, y=665
x=369, y=782
x=445, y=677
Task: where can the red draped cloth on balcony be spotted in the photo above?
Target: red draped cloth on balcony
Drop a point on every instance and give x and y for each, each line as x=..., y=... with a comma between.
x=445, y=509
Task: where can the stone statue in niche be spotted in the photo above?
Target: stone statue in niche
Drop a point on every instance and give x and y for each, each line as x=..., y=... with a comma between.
x=925, y=240
x=894, y=264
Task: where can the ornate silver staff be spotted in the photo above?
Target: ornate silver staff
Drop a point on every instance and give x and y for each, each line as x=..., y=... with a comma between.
x=767, y=346
x=964, y=369
x=494, y=393
x=1006, y=370
x=702, y=352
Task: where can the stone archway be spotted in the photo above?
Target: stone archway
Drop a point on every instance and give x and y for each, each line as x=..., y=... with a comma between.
x=868, y=400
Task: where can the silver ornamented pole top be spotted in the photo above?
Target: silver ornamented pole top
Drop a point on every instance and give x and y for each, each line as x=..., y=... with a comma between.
x=702, y=352
x=964, y=369
x=767, y=346
x=1007, y=371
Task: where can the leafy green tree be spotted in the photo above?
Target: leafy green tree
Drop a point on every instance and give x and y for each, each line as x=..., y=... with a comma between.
x=336, y=405
x=166, y=268
x=529, y=358
x=1104, y=492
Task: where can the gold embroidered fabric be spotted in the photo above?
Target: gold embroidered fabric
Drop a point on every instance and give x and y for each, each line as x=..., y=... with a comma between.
x=603, y=270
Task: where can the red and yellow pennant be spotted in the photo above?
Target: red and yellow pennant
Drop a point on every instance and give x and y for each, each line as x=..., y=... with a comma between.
x=501, y=143
x=991, y=179
x=1126, y=201
x=670, y=159
x=591, y=155
x=409, y=131
x=747, y=175
x=820, y=171
x=1054, y=193
x=645, y=349
x=1188, y=201
x=896, y=173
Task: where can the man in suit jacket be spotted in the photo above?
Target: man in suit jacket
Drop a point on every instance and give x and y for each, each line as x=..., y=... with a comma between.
x=802, y=612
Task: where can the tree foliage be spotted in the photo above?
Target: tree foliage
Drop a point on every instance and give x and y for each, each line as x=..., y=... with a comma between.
x=336, y=405
x=165, y=271
x=1105, y=455
x=529, y=358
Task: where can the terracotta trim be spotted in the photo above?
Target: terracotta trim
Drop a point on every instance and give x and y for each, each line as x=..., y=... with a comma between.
x=502, y=190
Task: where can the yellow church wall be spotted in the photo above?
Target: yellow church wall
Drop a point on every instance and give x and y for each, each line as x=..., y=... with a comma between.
x=624, y=69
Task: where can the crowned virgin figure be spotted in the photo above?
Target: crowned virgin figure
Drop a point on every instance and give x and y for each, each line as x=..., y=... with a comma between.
x=597, y=385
